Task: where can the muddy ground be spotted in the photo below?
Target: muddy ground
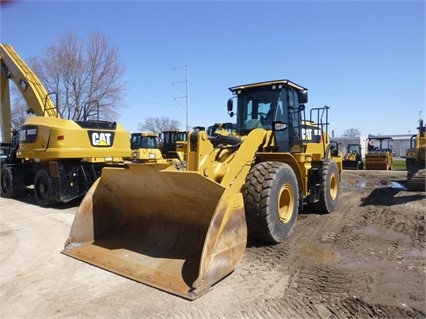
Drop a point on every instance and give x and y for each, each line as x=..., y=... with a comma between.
x=365, y=260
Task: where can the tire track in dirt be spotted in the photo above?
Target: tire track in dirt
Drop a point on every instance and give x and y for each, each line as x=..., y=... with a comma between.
x=365, y=260
x=297, y=278
x=316, y=273
x=307, y=257
x=358, y=308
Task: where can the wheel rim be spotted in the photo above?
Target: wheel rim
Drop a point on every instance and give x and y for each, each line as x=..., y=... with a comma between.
x=285, y=203
x=333, y=187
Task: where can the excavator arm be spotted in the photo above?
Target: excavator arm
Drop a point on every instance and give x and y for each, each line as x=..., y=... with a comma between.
x=5, y=116
x=15, y=69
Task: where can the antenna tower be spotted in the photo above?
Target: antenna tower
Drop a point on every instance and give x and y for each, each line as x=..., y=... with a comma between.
x=186, y=66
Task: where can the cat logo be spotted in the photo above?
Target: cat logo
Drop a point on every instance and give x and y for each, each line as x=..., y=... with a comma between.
x=311, y=133
x=101, y=139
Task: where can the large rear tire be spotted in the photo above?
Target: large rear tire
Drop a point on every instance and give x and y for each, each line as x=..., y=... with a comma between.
x=45, y=189
x=271, y=201
x=330, y=188
x=12, y=182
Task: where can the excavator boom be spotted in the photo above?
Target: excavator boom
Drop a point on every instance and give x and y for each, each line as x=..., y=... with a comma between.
x=36, y=96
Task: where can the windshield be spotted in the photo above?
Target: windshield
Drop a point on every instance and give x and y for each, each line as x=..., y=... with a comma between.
x=173, y=137
x=259, y=107
x=228, y=127
x=139, y=141
x=353, y=149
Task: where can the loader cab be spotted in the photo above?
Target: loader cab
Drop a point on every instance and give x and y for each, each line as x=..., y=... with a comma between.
x=276, y=105
x=143, y=140
x=224, y=128
x=172, y=140
x=173, y=143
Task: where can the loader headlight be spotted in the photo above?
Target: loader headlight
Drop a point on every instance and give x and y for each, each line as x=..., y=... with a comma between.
x=280, y=126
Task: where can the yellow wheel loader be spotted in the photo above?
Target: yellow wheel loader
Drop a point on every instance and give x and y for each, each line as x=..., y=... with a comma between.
x=61, y=158
x=379, y=157
x=182, y=231
x=415, y=161
x=222, y=128
x=145, y=148
x=172, y=145
x=353, y=157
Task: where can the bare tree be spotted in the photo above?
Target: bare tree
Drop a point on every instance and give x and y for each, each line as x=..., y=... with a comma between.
x=351, y=132
x=85, y=78
x=159, y=124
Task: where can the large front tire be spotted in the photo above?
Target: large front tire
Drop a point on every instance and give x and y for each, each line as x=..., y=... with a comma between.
x=271, y=201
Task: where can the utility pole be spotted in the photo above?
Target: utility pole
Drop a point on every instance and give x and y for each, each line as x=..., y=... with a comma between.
x=186, y=66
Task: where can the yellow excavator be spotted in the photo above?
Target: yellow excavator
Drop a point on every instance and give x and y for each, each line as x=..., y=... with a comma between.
x=415, y=160
x=61, y=158
x=182, y=231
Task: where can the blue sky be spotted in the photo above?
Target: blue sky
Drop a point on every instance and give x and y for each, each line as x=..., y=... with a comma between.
x=364, y=59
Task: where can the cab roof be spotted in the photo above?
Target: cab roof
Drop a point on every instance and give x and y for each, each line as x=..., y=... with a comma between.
x=268, y=83
x=146, y=134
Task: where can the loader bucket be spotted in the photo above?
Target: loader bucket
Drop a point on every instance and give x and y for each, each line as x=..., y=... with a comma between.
x=174, y=230
x=351, y=165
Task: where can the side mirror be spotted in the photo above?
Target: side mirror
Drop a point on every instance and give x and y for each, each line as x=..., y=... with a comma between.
x=230, y=105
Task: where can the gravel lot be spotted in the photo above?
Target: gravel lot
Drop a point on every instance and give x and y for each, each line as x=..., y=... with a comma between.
x=365, y=260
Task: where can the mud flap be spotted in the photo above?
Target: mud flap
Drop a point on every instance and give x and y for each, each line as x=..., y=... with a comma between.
x=174, y=230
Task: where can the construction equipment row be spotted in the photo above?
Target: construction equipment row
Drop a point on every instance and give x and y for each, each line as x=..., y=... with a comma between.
x=174, y=211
